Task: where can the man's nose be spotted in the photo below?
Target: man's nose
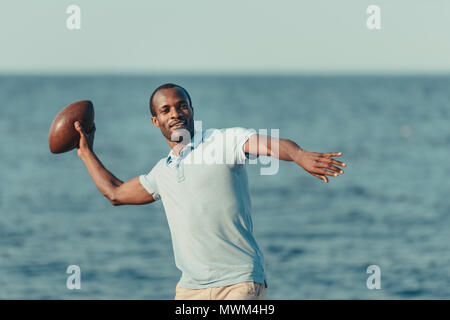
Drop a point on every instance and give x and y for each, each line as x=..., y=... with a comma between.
x=174, y=113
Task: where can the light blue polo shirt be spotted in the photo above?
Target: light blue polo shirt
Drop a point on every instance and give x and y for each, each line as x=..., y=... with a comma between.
x=206, y=198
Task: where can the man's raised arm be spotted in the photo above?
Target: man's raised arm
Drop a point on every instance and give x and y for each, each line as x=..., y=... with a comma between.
x=317, y=164
x=115, y=190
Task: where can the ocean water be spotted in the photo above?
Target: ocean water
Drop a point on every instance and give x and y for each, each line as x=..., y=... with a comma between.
x=391, y=208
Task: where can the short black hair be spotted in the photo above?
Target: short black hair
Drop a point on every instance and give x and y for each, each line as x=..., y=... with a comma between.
x=167, y=86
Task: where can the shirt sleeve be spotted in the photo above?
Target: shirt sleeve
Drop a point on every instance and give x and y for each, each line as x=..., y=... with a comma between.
x=236, y=138
x=148, y=181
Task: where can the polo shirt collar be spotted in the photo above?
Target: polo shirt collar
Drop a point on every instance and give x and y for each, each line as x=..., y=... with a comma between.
x=195, y=141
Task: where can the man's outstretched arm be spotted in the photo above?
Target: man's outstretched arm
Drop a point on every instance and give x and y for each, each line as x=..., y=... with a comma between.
x=115, y=190
x=318, y=164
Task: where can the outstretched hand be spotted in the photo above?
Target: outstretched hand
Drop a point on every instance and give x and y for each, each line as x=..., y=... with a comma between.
x=320, y=165
x=86, y=139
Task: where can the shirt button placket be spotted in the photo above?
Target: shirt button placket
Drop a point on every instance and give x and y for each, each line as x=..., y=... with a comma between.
x=180, y=171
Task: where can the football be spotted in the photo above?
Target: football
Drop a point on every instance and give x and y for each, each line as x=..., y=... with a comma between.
x=62, y=136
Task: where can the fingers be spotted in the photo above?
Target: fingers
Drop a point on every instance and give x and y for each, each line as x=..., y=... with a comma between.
x=328, y=154
x=342, y=164
x=333, y=154
x=325, y=166
x=79, y=128
x=326, y=172
x=329, y=166
x=326, y=162
x=321, y=177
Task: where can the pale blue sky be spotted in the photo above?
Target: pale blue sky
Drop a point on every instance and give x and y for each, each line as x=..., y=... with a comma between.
x=232, y=36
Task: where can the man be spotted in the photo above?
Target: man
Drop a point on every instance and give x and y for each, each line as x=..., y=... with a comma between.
x=207, y=204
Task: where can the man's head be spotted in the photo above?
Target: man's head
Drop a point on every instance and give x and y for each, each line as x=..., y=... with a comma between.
x=171, y=109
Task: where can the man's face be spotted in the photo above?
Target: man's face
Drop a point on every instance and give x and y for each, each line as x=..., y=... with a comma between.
x=173, y=112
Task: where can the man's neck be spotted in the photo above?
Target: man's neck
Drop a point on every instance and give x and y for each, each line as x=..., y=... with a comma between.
x=178, y=146
x=176, y=149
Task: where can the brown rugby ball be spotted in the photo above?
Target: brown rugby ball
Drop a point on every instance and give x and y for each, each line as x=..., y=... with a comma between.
x=62, y=136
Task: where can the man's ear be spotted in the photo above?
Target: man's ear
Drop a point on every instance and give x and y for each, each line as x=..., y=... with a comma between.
x=155, y=122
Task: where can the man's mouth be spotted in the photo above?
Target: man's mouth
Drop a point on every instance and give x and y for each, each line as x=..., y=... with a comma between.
x=178, y=124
